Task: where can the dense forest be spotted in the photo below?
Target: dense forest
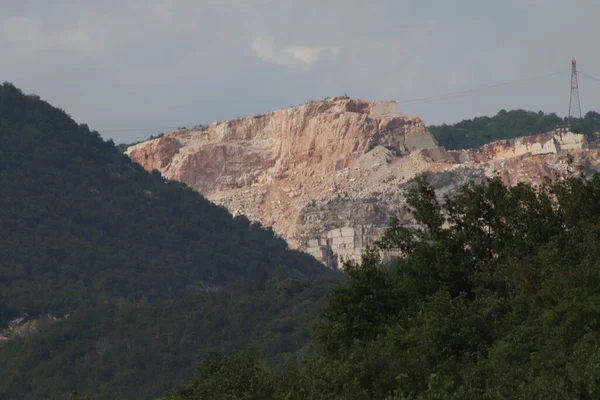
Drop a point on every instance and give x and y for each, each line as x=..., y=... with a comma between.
x=131, y=278
x=497, y=296
x=140, y=350
x=508, y=125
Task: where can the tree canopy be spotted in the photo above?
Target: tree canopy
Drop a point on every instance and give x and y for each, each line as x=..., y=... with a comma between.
x=80, y=220
x=507, y=125
x=494, y=296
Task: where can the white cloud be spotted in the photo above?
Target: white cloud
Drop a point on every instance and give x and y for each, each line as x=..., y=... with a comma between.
x=117, y=63
x=303, y=56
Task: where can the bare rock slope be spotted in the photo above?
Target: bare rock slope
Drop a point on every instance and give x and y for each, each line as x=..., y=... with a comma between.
x=327, y=175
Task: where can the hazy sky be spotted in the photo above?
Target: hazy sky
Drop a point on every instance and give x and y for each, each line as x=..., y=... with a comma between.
x=122, y=66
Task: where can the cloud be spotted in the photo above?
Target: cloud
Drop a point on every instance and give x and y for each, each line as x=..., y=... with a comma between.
x=290, y=56
x=118, y=64
x=30, y=33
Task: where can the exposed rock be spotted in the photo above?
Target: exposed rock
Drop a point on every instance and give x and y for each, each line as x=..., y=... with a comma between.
x=26, y=325
x=328, y=175
x=549, y=143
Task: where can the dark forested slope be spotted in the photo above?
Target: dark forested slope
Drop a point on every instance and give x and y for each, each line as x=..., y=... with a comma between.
x=497, y=297
x=151, y=273
x=140, y=350
x=78, y=219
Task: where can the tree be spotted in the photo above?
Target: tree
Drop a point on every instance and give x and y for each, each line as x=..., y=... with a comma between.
x=508, y=125
x=229, y=377
x=492, y=299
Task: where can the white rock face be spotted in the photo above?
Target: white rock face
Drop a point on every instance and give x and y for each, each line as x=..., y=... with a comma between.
x=569, y=141
x=550, y=143
x=382, y=109
x=326, y=176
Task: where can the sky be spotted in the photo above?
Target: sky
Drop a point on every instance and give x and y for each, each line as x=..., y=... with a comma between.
x=132, y=68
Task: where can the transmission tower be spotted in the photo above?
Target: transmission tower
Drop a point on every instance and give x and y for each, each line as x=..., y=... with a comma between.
x=574, y=104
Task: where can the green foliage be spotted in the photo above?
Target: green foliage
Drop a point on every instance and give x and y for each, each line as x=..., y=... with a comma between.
x=497, y=304
x=236, y=377
x=152, y=275
x=496, y=296
x=508, y=125
x=75, y=396
x=122, y=147
x=121, y=349
x=80, y=220
x=358, y=309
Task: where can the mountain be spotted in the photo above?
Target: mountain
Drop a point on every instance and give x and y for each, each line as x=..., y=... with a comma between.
x=104, y=265
x=328, y=175
x=305, y=171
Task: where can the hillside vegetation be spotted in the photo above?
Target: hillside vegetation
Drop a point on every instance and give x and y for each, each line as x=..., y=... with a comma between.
x=501, y=303
x=129, y=350
x=478, y=131
x=150, y=274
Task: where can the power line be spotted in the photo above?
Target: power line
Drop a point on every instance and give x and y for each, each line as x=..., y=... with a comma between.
x=416, y=100
x=140, y=129
x=589, y=77
x=474, y=90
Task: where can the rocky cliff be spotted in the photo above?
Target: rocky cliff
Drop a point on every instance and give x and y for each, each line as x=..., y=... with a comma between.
x=328, y=175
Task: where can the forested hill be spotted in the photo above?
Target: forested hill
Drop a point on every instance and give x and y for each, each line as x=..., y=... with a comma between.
x=85, y=231
x=78, y=219
x=507, y=125
x=496, y=297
